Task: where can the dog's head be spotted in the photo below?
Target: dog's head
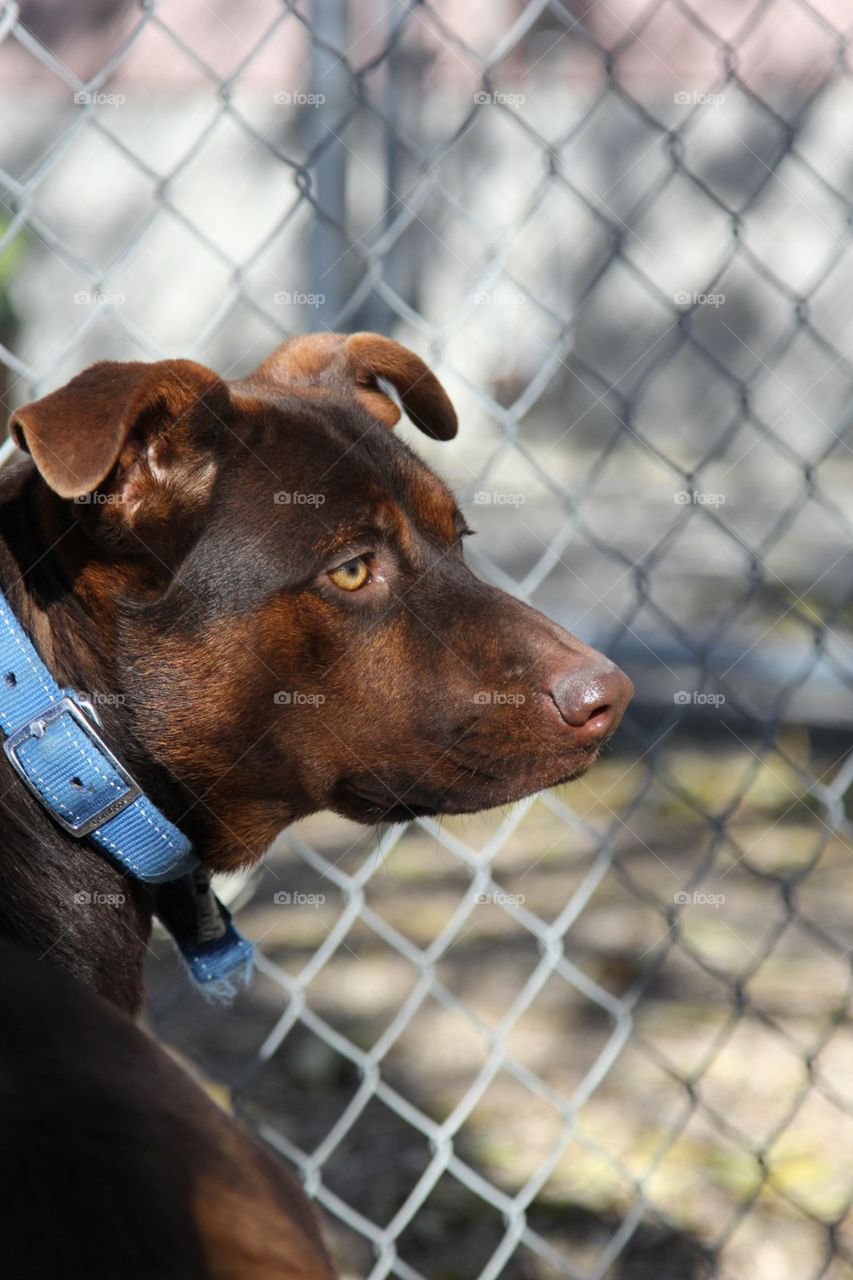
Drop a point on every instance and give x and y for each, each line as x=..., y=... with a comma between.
x=291, y=620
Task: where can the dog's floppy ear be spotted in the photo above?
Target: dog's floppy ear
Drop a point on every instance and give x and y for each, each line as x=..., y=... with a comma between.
x=354, y=363
x=111, y=414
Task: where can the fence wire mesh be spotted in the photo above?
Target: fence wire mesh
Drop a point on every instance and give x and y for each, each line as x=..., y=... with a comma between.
x=606, y=1032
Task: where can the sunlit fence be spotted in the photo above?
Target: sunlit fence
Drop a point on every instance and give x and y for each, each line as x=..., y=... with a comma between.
x=604, y=1033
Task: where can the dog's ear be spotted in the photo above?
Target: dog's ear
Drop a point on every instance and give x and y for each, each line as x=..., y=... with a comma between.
x=123, y=426
x=354, y=363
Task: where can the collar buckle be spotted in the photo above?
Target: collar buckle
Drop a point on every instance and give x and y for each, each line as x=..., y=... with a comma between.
x=36, y=728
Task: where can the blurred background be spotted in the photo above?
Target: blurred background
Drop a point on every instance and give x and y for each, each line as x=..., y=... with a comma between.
x=604, y=1033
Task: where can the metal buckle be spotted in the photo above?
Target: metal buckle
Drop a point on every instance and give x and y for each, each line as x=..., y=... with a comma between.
x=34, y=728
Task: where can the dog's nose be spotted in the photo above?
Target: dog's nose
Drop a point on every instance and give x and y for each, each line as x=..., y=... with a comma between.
x=592, y=699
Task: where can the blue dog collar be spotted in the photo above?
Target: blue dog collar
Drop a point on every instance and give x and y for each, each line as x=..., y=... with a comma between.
x=56, y=749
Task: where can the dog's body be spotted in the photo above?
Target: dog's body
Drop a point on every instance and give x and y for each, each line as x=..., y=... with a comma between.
x=266, y=591
x=115, y=1164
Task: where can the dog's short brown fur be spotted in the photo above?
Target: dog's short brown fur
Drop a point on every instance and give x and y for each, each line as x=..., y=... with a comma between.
x=177, y=541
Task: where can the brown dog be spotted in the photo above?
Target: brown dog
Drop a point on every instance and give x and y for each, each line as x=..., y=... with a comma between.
x=267, y=592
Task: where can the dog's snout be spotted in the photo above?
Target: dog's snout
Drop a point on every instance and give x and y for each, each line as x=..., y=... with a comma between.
x=592, y=699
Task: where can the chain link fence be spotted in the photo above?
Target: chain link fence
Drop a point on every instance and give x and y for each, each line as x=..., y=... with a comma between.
x=605, y=1033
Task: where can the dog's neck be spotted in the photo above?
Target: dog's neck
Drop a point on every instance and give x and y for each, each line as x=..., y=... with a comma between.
x=58, y=895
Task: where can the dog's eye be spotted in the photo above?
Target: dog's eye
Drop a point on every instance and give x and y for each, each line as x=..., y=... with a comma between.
x=351, y=575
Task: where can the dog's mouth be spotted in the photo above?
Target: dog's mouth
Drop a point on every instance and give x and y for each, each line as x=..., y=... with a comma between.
x=370, y=798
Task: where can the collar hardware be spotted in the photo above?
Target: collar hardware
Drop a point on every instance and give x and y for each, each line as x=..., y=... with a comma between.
x=76, y=816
